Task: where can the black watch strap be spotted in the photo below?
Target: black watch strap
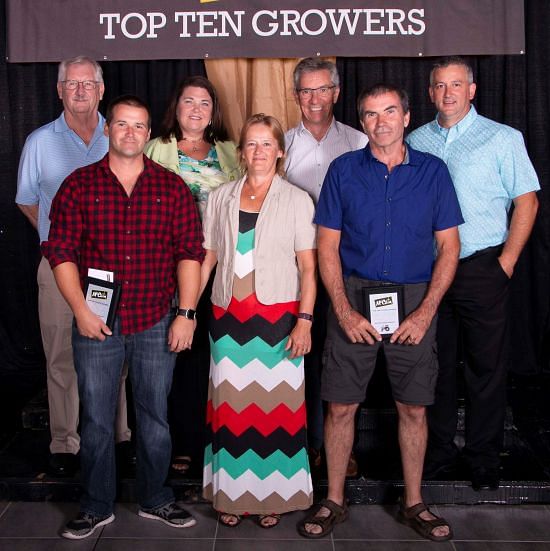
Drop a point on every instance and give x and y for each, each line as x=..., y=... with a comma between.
x=305, y=316
x=187, y=313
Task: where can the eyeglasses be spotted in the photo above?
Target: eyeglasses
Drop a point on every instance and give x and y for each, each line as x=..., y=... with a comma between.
x=73, y=84
x=323, y=91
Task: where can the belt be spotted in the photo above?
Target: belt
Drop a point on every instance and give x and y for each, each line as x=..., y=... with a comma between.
x=495, y=249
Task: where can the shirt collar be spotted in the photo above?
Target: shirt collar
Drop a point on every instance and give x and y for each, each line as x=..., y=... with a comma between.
x=461, y=126
x=332, y=128
x=148, y=165
x=60, y=125
x=412, y=157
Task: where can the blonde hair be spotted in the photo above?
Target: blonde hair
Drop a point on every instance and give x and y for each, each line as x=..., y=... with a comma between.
x=278, y=133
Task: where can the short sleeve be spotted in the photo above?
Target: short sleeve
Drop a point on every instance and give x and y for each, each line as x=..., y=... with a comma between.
x=329, y=207
x=517, y=173
x=27, y=175
x=447, y=213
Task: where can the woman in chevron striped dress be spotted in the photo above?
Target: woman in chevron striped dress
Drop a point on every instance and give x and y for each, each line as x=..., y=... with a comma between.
x=259, y=232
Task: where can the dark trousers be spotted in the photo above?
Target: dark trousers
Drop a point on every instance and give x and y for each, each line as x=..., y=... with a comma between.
x=477, y=303
x=189, y=393
x=313, y=363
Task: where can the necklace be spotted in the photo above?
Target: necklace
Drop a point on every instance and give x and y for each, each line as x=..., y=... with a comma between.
x=255, y=194
x=194, y=143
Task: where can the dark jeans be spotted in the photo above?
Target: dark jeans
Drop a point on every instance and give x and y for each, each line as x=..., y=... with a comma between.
x=99, y=365
x=477, y=302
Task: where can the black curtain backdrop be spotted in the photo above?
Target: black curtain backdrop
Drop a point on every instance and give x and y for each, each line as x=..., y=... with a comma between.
x=512, y=89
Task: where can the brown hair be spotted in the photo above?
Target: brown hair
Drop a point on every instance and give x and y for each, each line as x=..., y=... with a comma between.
x=378, y=90
x=130, y=100
x=278, y=133
x=214, y=132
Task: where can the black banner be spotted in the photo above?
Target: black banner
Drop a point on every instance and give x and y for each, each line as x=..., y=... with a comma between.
x=50, y=30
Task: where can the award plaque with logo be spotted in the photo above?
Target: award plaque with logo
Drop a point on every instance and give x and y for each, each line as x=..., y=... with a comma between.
x=383, y=307
x=102, y=298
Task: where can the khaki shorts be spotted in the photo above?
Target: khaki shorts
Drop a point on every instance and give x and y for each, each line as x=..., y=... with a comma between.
x=348, y=367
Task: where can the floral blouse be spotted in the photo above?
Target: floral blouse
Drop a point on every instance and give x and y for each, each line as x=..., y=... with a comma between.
x=202, y=176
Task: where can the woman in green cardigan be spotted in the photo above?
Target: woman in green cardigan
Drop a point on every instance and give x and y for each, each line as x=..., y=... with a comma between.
x=194, y=141
x=194, y=144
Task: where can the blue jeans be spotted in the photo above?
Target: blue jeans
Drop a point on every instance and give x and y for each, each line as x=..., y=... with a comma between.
x=99, y=366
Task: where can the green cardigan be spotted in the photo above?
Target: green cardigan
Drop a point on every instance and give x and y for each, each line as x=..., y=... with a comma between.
x=166, y=154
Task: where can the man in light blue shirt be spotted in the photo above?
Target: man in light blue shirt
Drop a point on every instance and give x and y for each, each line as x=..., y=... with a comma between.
x=75, y=139
x=491, y=170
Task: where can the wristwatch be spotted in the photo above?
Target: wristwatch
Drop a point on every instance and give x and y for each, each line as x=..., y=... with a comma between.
x=305, y=316
x=187, y=313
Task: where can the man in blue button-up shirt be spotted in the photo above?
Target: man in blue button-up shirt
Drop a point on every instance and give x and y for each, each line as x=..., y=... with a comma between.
x=491, y=170
x=378, y=214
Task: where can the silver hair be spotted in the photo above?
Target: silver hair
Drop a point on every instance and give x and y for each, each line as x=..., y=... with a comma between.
x=79, y=60
x=311, y=64
x=452, y=60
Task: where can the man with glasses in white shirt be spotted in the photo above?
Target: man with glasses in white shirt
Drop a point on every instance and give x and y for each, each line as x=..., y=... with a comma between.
x=319, y=138
x=50, y=154
x=310, y=148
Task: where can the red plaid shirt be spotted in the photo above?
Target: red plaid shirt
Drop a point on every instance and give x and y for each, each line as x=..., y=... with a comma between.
x=140, y=238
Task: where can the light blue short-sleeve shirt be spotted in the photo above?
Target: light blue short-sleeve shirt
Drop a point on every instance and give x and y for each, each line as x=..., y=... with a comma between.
x=50, y=154
x=489, y=166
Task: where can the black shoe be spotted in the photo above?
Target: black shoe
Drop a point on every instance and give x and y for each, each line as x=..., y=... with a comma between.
x=85, y=525
x=485, y=478
x=63, y=464
x=439, y=470
x=171, y=514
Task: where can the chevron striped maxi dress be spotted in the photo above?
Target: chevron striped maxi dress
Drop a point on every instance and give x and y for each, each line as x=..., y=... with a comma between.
x=256, y=455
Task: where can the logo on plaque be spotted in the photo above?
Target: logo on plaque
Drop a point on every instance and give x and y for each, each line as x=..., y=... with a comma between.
x=384, y=301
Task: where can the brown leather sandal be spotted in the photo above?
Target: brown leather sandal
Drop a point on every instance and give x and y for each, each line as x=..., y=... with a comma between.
x=338, y=514
x=411, y=517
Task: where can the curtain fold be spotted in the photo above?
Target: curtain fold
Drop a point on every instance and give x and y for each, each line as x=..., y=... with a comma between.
x=249, y=86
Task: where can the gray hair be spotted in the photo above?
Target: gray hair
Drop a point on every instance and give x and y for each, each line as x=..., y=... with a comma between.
x=452, y=60
x=312, y=64
x=79, y=60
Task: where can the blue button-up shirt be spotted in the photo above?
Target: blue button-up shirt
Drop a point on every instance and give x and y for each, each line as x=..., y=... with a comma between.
x=387, y=220
x=489, y=166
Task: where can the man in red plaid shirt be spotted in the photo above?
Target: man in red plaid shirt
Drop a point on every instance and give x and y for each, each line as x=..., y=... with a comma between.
x=127, y=215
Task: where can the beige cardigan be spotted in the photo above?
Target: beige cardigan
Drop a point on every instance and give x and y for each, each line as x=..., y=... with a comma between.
x=284, y=226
